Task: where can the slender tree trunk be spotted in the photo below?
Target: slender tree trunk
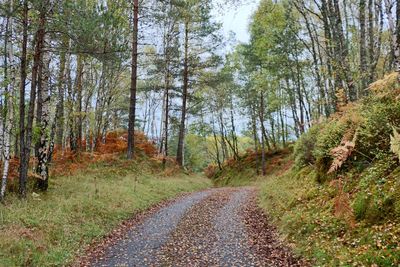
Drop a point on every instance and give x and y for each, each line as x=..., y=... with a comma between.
x=371, y=43
x=70, y=107
x=10, y=89
x=44, y=148
x=22, y=175
x=263, y=139
x=166, y=118
x=255, y=137
x=79, y=78
x=393, y=31
x=233, y=131
x=397, y=46
x=179, y=154
x=132, y=104
x=363, y=50
x=216, y=145
x=60, y=100
x=36, y=79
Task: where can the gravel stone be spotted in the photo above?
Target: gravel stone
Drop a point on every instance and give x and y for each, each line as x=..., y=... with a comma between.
x=141, y=245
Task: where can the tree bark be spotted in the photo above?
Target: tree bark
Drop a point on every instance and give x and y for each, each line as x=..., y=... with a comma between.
x=22, y=175
x=397, y=46
x=363, y=50
x=263, y=139
x=132, y=103
x=79, y=78
x=40, y=35
x=44, y=148
x=179, y=154
x=9, y=118
x=60, y=100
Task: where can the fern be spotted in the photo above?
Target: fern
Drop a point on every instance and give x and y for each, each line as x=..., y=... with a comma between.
x=395, y=143
x=342, y=152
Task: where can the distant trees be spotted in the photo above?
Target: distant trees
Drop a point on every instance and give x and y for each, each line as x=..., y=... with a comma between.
x=73, y=45
x=303, y=59
x=66, y=67
x=73, y=62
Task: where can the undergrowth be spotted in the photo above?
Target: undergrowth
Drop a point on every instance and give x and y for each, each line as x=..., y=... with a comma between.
x=245, y=170
x=340, y=203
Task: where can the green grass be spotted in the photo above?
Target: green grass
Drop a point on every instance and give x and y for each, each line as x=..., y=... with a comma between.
x=51, y=229
x=303, y=211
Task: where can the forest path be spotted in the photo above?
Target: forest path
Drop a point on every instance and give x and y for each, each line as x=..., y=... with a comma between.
x=216, y=227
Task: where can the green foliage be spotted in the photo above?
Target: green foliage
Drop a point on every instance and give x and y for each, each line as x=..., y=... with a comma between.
x=360, y=205
x=329, y=137
x=374, y=131
x=304, y=147
x=302, y=210
x=305, y=210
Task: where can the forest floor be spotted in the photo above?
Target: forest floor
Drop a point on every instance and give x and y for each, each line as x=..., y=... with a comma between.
x=214, y=227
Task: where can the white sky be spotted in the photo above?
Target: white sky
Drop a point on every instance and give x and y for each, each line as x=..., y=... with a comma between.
x=237, y=19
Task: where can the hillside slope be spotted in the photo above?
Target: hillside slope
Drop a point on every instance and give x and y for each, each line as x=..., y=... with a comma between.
x=339, y=205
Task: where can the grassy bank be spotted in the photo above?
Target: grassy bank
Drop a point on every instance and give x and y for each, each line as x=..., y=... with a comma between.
x=306, y=214
x=49, y=229
x=244, y=171
x=340, y=204
x=336, y=198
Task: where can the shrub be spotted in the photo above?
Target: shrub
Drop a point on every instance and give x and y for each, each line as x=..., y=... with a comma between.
x=211, y=171
x=329, y=137
x=360, y=205
x=376, y=128
x=304, y=147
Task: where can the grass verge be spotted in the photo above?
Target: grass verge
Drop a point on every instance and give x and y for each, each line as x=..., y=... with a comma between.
x=51, y=229
x=304, y=212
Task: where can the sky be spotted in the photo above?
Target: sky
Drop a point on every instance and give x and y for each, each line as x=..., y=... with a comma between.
x=237, y=19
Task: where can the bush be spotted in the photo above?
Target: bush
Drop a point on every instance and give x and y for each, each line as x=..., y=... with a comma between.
x=360, y=205
x=329, y=137
x=376, y=128
x=211, y=171
x=304, y=147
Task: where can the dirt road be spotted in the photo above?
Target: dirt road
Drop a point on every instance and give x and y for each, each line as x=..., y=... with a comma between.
x=217, y=227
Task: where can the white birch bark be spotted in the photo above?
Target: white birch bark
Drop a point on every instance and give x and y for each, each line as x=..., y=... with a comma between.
x=10, y=111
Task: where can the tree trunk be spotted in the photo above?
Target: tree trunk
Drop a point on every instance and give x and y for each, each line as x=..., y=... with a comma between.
x=132, y=103
x=363, y=50
x=397, y=46
x=9, y=118
x=166, y=117
x=79, y=78
x=263, y=139
x=371, y=43
x=22, y=175
x=60, y=100
x=44, y=148
x=179, y=154
x=70, y=107
x=255, y=137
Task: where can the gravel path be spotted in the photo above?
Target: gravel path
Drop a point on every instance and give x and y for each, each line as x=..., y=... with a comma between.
x=141, y=244
x=218, y=227
x=232, y=247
